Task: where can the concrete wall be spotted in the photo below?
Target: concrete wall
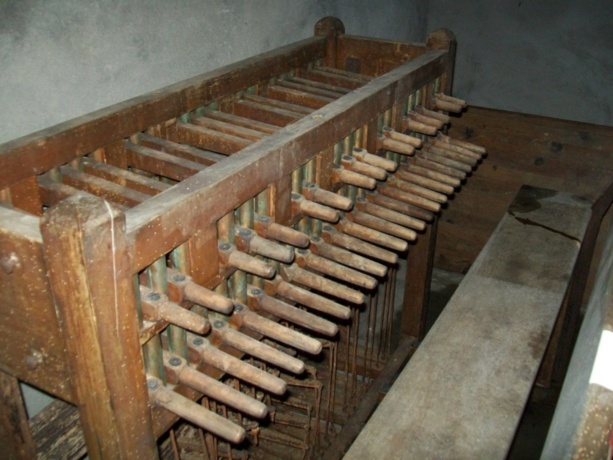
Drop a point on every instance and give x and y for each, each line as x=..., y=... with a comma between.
x=64, y=58
x=544, y=57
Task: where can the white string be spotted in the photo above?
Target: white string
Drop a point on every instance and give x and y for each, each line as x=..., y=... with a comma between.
x=108, y=207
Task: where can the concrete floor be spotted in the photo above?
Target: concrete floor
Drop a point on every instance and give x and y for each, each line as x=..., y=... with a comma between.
x=533, y=427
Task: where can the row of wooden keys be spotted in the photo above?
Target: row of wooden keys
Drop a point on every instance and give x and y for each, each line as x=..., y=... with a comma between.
x=359, y=240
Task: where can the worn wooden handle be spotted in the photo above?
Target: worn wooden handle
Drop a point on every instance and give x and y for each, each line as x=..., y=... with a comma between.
x=374, y=160
x=264, y=227
x=365, y=169
x=372, y=236
x=235, y=367
x=418, y=190
x=308, y=260
x=338, y=238
x=229, y=255
x=157, y=307
x=300, y=205
x=280, y=309
x=345, y=257
x=426, y=182
x=404, y=138
x=319, y=195
x=344, y=176
x=188, y=376
x=186, y=289
x=392, y=216
x=189, y=410
x=311, y=300
x=382, y=225
x=295, y=274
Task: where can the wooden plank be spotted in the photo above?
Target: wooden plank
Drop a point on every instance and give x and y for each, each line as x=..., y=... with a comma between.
x=15, y=433
x=264, y=113
x=187, y=152
x=195, y=201
x=160, y=163
x=86, y=253
x=30, y=337
x=295, y=96
x=375, y=56
x=57, y=432
x=481, y=356
x=583, y=419
x=51, y=147
x=209, y=139
x=123, y=177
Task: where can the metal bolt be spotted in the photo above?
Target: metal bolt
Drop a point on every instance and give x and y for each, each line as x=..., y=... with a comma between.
x=262, y=218
x=256, y=291
x=244, y=232
x=174, y=361
x=238, y=307
x=9, y=262
x=347, y=158
x=34, y=359
x=302, y=251
x=218, y=324
x=198, y=341
x=178, y=278
x=295, y=196
x=224, y=246
x=152, y=384
x=309, y=185
x=154, y=296
x=327, y=228
x=315, y=239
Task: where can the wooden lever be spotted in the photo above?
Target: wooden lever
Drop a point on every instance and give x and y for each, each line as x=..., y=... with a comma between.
x=240, y=369
x=440, y=156
x=372, y=236
x=229, y=256
x=410, y=198
x=467, y=145
x=445, y=119
x=345, y=257
x=426, y=182
x=404, y=138
x=306, y=259
x=387, y=143
x=381, y=225
x=179, y=371
x=417, y=190
x=350, y=163
x=273, y=330
x=314, y=193
x=256, y=348
x=189, y=410
x=295, y=274
x=419, y=160
x=266, y=228
x=247, y=240
x=300, y=205
x=344, y=176
x=374, y=160
x=448, y=103
x=330, y=235
x=457, y=152
x=399, y=206
x=156, y=307
x=426, y=120
x=428, y=169
x=259, y=300
x=307, y=298
x=181, y=288
x=410, y=123
x=392, y=216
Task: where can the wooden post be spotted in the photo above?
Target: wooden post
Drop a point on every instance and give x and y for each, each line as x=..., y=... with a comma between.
x=330, y=27
x=87, y=256
x=417, y=286
x=15, y=436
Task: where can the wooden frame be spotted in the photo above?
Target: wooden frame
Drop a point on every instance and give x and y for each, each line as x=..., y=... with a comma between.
x=83, y=340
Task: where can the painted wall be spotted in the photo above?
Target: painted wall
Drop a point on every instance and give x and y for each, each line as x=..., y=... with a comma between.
x=544, y=57
x=64, y=58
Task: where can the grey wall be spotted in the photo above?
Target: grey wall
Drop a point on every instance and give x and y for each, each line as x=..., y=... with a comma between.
x=544, y=57
x=63, y=58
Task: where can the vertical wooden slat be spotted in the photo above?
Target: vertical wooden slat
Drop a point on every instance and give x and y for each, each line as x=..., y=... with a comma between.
x=15, y=437
x=417, y=287
x=87, y=256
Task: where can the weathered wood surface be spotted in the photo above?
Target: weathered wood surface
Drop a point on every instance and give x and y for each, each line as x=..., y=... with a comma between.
x=32, y=346
x=57, y=433
x=43, y=150
x=464, y=391
x=522, y=149
x=86, y=253
x=15, y=436
x=583, y=421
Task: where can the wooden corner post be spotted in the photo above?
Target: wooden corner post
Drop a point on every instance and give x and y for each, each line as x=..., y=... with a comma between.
x=87, y=256
x=330, y=27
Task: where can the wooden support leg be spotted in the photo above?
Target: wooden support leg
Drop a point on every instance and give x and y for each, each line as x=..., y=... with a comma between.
x=86, y=253
x=15, y=437
x=417, y=286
